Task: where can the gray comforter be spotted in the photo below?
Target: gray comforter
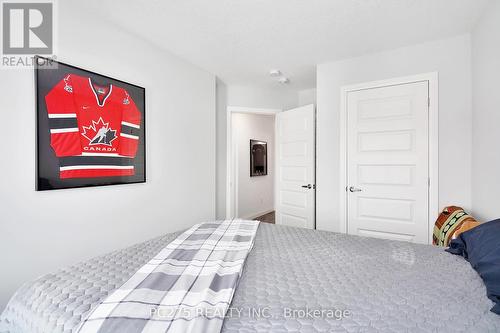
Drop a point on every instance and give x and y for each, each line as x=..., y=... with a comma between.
x=294, y=280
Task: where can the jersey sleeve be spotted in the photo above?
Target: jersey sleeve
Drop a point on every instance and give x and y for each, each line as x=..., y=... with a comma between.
x=130, y=128
x=63, y=124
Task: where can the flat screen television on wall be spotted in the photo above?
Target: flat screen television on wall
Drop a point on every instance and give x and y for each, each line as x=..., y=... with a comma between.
x=90, y=128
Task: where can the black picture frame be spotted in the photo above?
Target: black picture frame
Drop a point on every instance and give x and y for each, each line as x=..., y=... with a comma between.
x=48, y=73
x=258, y=158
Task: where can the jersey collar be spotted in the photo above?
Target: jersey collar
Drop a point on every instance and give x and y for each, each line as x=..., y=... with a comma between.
x=95, y=93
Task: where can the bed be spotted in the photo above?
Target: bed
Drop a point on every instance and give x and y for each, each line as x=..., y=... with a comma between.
x=294, y=280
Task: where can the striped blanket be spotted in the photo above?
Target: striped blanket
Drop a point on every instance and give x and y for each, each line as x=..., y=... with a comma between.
x=187, y=287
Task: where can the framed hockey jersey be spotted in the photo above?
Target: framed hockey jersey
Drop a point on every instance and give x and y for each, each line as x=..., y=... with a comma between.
x=90, y=128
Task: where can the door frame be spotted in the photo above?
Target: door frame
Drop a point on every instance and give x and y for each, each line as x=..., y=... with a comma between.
x=231, y=179
x=433, y=143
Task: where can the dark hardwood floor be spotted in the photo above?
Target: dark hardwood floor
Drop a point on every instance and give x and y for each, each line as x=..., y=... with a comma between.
x=268, y=218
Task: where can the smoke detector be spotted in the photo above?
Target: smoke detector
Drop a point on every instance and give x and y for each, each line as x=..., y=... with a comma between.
x=284, y=80
x=275, y=72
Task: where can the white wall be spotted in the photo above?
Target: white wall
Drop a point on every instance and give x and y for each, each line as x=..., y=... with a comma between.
x=452, y=59
x=486, y=115
x=43, y=231
x=255, y=97
x=221, y=145
x=255, y=194
x=307, y=96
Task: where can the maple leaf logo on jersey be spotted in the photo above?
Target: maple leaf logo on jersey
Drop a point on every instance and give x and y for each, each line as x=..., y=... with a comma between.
x=99, y=133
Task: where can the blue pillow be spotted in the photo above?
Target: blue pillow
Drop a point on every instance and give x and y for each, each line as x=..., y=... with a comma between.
x=481, y=247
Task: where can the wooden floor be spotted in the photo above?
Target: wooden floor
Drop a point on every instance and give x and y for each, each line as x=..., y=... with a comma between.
x=268, y=218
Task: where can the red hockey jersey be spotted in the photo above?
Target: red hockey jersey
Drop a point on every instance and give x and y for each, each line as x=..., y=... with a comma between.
x=94, y=129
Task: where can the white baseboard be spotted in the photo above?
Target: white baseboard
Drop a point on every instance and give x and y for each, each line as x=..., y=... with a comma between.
x=252, y=216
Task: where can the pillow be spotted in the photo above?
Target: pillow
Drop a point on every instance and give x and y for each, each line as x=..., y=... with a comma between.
x=450, y=223
x=466, y=226
x=481, y=247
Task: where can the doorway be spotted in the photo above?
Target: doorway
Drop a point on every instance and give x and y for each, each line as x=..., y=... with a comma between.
x=252, y=167
x=279, y=187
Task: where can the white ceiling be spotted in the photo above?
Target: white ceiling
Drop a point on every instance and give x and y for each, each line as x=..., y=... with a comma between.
x=240, y=40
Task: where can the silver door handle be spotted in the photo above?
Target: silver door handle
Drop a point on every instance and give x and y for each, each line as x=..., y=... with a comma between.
x=354, y=189
x=309, y=186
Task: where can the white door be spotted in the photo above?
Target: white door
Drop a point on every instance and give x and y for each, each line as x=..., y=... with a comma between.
x=388, y=162
x=295, y=167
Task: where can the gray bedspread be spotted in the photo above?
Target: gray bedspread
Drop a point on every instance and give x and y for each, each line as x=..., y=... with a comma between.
x=294, y=280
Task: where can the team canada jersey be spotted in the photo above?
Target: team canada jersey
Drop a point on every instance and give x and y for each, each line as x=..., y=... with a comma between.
x=94, y=129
